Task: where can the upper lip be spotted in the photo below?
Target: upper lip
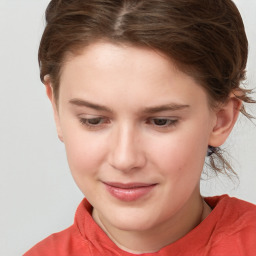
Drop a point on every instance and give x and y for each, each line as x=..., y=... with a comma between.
x=128, y=185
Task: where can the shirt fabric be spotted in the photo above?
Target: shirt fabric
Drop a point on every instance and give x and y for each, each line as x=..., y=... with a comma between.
x=229, y=230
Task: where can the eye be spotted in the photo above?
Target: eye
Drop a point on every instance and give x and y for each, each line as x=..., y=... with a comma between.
x=162, y=122
x=94, y=122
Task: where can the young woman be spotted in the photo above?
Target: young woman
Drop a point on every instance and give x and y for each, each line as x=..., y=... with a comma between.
x=142, y=92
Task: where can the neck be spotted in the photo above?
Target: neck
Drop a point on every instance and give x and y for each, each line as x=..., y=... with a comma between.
x=152, y=240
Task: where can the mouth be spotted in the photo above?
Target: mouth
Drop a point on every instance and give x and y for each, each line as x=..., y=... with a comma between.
x=128, y=191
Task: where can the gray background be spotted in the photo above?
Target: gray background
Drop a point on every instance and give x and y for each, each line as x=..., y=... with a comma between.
x=37, y=193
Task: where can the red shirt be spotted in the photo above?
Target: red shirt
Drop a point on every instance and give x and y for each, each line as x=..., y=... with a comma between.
x=229, y=230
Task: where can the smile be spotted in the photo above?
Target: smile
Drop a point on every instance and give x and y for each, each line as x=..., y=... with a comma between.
x=128, y=192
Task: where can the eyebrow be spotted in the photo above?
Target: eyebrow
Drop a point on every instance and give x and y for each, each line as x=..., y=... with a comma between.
x=167, y=107
x=147, y=110
x=84, y=103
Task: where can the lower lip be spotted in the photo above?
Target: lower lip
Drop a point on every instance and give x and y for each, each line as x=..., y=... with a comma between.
x=129, y=194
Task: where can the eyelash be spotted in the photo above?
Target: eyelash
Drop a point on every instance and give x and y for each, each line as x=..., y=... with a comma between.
x=85, y=122
x=167, y=122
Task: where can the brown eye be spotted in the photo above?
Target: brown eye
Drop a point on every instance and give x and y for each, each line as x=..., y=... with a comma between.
x=160, y=121
x=96, y=121
x=163, y=122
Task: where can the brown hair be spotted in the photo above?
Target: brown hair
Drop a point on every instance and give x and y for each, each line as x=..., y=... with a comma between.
x=204, y=38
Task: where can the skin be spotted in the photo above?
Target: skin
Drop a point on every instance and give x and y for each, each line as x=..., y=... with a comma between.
x=126, y=114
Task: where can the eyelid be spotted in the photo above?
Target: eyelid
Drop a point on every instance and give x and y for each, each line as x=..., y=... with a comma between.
x=172, y=118
x=84, y=120
x=171, y=122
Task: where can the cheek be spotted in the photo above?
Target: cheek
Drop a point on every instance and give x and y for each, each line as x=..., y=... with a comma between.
x=85, y=159
x=182, y=153
x=85, y=152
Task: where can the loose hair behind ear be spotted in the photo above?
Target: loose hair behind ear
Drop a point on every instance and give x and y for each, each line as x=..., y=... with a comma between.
x=204, y=38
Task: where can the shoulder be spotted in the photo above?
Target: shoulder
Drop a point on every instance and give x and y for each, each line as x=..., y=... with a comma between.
x=64, y=243
x=235, y=227
x=232, y=206
x=230, y=210
x=69, y=242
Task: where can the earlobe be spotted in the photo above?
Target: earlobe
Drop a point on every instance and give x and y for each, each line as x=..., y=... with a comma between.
x=50, y=95
x=226, y=117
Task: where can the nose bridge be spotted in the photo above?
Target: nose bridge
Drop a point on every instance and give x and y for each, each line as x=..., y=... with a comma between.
x=126, y=153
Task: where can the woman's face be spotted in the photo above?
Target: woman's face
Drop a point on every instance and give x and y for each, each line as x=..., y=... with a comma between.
x=136, y=132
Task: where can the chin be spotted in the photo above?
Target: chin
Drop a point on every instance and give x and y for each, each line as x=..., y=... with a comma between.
x=132, y=221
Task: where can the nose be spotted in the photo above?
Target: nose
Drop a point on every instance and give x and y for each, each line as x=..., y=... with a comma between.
x=126, y=153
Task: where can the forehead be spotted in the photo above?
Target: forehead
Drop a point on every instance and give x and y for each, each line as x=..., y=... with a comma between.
x=107, y=55
x=110, y=70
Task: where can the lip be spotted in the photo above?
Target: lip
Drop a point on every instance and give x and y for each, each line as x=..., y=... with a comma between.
x=128, y=191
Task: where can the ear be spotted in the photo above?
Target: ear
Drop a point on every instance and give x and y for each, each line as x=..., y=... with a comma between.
x=226, y=116
x=50, y=94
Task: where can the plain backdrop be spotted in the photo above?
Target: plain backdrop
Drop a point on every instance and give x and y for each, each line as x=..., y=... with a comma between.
x=37, y=193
